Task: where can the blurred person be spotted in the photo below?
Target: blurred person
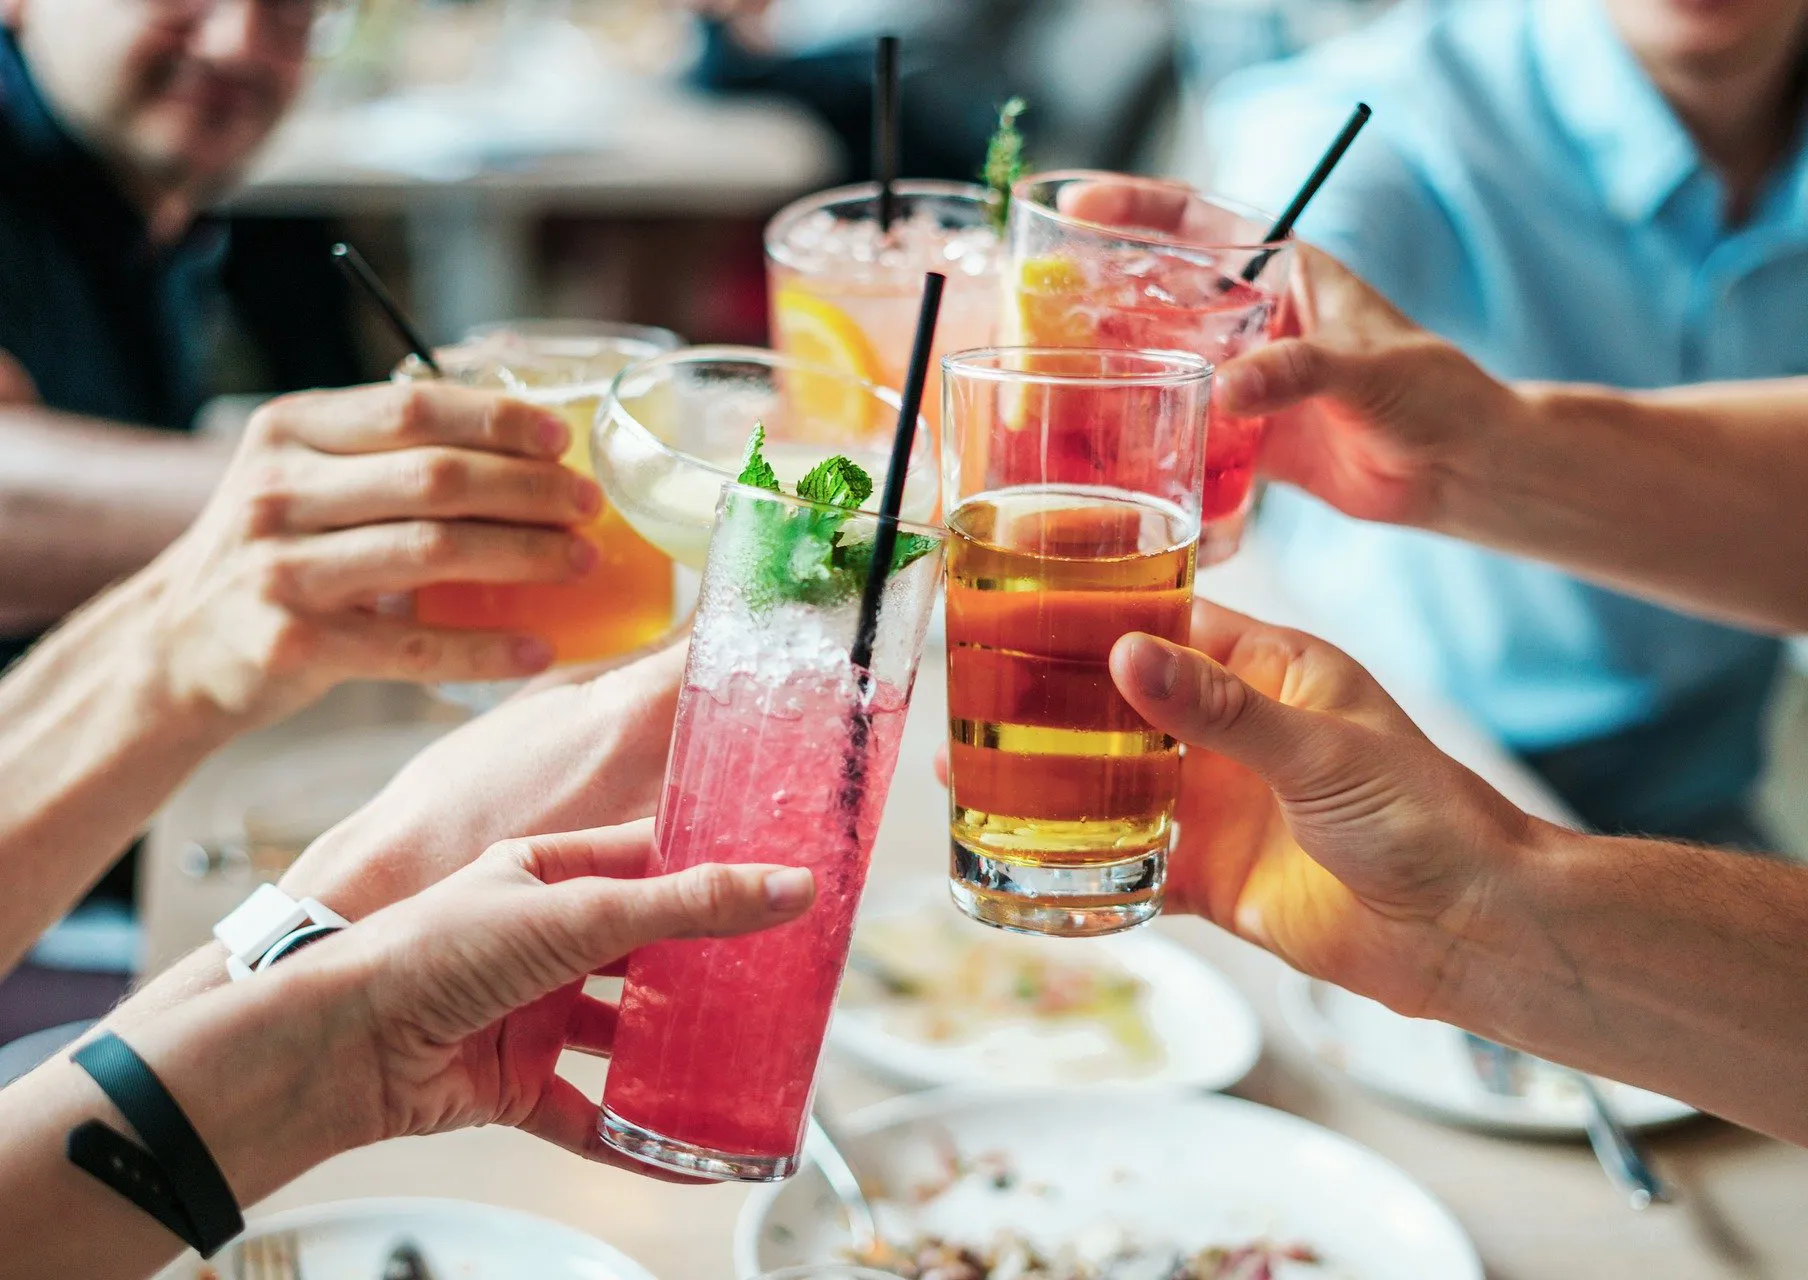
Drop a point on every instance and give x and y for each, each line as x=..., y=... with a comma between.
x=1595, y=191
x=445, y=1011
x=120, y=122
x=333, y=500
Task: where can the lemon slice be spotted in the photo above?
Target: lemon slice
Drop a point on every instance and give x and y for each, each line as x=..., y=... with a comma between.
x=818, y=332
x=1049, y=307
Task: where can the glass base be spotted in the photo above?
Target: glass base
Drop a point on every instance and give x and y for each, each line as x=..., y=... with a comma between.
x=698, y=1162
x=1060, y=902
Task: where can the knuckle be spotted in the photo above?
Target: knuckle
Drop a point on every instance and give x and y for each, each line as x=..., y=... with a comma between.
x=275, y=576
x=710, y=893
x=294, y=645
x=1222, y=701
x=432, y=545
x=439, y=479
x=269, y=496
x=419, y=653
x=411, y=412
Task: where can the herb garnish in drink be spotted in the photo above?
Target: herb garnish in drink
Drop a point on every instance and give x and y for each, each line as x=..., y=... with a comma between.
x=1004, y=161
x=811, y=556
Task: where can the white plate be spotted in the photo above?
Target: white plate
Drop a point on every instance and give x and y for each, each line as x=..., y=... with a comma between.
x=352, y=1239
x=1205, y=1031
x=1426, y=1066
x=1169, y=1168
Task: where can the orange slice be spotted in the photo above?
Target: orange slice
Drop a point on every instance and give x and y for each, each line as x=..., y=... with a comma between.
x=1049, y=307
x=818, y=332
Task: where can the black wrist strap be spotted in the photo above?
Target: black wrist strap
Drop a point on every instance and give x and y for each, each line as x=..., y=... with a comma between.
x=172, y=1177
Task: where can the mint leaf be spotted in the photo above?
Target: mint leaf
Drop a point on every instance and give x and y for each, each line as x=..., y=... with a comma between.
x=1004, y=161
x=855, y=558
x=836, y=482
x=755, y=470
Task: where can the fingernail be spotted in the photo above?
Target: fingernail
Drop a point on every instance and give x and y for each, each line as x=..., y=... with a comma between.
x=789, y=889
x=1155, y=668
x=531, y=653
x=586, y=495
x=583, y=555
x=552, y=433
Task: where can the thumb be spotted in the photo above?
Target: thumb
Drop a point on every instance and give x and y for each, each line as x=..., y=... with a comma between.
x=1281, y=374
x=1194, y=699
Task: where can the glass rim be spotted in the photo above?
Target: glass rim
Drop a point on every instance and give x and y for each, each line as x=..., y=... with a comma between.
x=936, y=531
x=1181, y=368
x=468, y=351
x=943, y=188
x=573, y=329
x=613, y=410
x=1144, y=235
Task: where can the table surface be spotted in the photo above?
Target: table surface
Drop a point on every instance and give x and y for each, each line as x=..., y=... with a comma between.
x=1535, y=1209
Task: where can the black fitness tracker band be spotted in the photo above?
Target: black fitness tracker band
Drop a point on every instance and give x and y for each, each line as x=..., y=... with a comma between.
x=172, y=1177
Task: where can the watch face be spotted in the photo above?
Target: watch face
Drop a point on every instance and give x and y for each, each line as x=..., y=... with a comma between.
x=295, y=942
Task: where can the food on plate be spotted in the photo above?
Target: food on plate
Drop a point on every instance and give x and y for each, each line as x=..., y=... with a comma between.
x=1098, y=1255
x=1065, y=1011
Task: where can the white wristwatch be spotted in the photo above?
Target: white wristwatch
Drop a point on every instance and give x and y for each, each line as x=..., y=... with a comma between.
x=270, y=925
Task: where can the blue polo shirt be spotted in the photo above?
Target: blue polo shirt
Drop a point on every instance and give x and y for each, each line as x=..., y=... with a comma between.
x=105, y=323
x=1525, y=191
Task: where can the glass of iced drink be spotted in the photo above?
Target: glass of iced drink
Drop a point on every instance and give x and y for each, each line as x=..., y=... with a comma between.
x=672, y=431
x=634, y=598
x=845, y=294
x=1166, y=272
x=1072, y=481
x=782, y=753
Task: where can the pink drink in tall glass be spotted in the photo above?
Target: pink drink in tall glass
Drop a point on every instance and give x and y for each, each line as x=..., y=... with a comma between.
x=1178, y=286
x=783, y=754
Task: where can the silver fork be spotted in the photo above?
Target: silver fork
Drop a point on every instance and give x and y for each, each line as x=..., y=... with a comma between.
x=1505, y=1071
x=273, y=1256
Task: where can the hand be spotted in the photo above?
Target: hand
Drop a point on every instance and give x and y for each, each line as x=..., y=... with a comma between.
x=463, y=997
x=336, y=499
x=1314, y=818
x=1366, y=411
x=557, y=758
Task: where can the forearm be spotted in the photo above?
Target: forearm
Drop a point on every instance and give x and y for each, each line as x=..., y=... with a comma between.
x=1691, y=496
x=91, y=743
x=1674, y=967
x=84, y=503
x=248, y=1067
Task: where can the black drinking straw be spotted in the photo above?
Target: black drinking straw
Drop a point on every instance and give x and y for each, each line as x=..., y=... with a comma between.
x=885, y=127
x=358, y=271
x=885, y=540
x=1283, y=226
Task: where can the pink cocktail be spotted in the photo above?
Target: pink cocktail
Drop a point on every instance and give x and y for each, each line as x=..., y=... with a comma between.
x=1162, y=268
x=783, y=754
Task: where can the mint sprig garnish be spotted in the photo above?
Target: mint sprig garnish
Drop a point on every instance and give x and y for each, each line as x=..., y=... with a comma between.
x=1004, y=161
x=808, y=554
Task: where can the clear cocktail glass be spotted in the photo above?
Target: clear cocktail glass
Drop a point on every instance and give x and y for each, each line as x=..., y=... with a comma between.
x=673, y=430
x=634, y=599
x=783, y=753
x=1175, y=286
x=1072, y=482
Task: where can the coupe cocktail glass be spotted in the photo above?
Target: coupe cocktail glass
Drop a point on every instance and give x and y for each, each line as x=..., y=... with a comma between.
x=673, y=429
x=782, y=753
x=1072, y=478
x=1075, y=283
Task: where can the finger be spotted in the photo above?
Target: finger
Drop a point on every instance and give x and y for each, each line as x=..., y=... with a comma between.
x=1153, y=206
x=373, y=648
x=624, y=852
x=328, y=572
x=615, y=917
x=1278, y=376
x=1187, y=695
x=436, y=483
x=591, y=1027
x=380, y=418
x=567, y=1119
x=1298, y=668
x=657, y=673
